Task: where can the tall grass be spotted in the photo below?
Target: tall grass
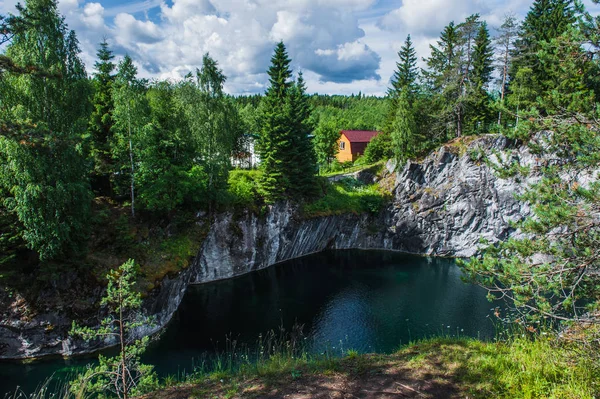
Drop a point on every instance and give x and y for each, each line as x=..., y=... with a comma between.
x=347, y=195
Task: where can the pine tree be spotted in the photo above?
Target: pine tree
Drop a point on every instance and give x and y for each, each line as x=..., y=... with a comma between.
x=443, y=76
x=407, y=74
x=468, y=32
x=302, y=163
x=546, y=20
x=274, y=143
x=101, y=119
x=405, y=137
x=481, y=76
x=123, y=375
x=549, y=273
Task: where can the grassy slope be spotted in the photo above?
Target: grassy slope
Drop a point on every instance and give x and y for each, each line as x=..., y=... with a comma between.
x=434, y=368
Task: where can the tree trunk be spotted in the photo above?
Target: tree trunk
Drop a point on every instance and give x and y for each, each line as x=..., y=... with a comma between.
x=122, y=339
x=504, y=77
x=132, y=168
x=458, y=122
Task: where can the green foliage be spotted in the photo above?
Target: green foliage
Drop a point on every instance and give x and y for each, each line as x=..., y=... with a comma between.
x=243, y=187
x=380, y=148
x=326, y=139
x=44, y=43
x=351, y=112
x=346, y=196
x=287, y=156
x=43, y=105
x=122, y=375
x=549, y=273
x=100, y=124
x=52, y=204
x=130, y=115
x=405, y=136
x=407, y=74
x=301, y=161
x=483, y=58
x=545, y=21
x=167, y=176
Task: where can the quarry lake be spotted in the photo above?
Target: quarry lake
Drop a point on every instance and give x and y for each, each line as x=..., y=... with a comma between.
x=369, y=301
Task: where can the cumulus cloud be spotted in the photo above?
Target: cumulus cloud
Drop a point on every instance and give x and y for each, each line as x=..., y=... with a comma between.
x=130, y=31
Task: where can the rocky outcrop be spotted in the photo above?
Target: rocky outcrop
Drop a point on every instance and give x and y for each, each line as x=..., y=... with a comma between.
x=27, y=332
x=441, y=206
x=446, y=204
x=238, y=245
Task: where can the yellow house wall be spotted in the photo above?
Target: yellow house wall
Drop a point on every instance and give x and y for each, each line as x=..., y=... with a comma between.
x=344, y=155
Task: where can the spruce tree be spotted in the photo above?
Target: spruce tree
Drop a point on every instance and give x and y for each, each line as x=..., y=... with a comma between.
x=407, y=74
x=405, y=136
x=274, y=143
x=481, y=76
x=287, y=155
x=101, y=119
x=302, y=163
x=443, y=76
x=546, y=20
x=404, y=79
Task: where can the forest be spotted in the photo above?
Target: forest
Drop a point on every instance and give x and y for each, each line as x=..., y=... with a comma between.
x=80, y=147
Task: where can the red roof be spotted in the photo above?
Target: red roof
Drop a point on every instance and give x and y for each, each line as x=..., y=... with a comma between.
x=359, y=136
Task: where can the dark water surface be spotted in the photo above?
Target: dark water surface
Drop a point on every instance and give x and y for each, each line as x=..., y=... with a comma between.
x=370, y=301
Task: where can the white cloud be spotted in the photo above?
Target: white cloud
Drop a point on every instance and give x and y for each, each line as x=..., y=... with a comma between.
x=131, y=32
x=93, y=15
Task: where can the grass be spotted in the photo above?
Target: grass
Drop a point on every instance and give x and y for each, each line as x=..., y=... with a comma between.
x=437, y=367
x=355, y=168
x=347, y=196
x=281, y=365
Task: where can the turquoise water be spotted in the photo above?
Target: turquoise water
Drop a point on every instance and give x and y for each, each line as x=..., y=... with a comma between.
x=370, y=301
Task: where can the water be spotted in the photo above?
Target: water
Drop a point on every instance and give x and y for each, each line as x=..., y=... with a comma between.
x=370, y=301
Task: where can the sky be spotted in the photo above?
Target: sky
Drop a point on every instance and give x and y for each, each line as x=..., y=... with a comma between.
x=341, y=46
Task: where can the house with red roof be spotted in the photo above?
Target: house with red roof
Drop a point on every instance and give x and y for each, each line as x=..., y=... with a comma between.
x=352, y=144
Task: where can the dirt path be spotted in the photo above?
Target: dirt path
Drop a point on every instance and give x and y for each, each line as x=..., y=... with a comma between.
x=364, y=377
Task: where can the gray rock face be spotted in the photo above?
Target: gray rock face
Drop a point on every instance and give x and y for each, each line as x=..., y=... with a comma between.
x=47, y=333
x=448, y=203
x=238, y=246
x=442, y=206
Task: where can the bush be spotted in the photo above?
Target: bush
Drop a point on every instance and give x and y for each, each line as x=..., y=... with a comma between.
x=380, y=148
x=243, y=187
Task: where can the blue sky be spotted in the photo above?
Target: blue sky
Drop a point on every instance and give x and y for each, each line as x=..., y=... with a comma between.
x=342, y=46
